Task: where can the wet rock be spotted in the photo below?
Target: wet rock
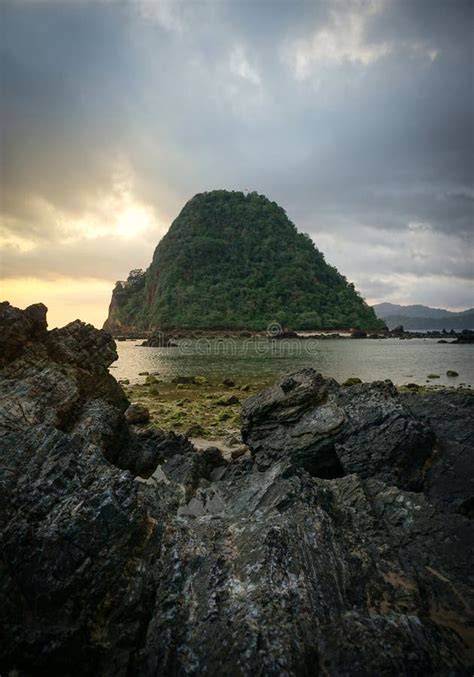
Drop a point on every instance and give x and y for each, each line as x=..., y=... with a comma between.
x=432, y=376
x=137, y=413
x=358, y=334
x=452, y=373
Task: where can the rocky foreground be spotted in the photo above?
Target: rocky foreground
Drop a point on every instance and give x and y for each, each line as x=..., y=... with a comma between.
x=342, y=546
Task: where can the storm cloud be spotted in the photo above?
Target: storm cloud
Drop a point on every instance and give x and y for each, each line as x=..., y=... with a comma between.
x=355, y=115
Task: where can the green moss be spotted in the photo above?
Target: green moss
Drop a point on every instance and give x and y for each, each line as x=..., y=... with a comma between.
x=352, y=381
x=171, y=410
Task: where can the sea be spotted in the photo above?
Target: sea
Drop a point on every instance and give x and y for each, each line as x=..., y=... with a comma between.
x=262, y=359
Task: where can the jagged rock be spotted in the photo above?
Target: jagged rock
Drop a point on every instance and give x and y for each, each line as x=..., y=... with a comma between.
x=249, y=568
x=333, y=431
x=19, y=327
x=448, y=476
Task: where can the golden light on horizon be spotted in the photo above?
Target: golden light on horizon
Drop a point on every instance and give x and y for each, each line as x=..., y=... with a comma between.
x=67, y=299
x=72, y=259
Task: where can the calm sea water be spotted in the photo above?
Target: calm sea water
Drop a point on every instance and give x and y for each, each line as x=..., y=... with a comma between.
x=401, y=361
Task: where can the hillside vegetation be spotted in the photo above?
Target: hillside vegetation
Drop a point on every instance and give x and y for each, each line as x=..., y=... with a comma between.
x=229, y=261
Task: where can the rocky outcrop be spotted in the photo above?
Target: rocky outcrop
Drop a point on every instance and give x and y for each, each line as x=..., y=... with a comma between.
x=272, y=564
x=333, y=431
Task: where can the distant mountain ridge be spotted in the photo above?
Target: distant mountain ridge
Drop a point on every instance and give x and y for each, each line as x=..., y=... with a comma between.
x=423, y=317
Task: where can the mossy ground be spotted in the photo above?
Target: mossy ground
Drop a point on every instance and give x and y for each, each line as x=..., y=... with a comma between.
x=199, y=406
x=183, y=406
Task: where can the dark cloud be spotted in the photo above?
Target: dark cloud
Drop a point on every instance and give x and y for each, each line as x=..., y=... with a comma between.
x=359, y=139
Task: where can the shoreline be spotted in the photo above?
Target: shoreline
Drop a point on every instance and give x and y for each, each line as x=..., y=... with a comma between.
x=159, y=338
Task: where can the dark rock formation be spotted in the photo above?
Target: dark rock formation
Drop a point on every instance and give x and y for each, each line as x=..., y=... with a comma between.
x=466, y=336
x=19, y=327
x=277, y=564
x=333, y=431
x=449, y=477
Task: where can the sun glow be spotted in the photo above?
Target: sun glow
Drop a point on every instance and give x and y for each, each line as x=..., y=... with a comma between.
x=67, y=299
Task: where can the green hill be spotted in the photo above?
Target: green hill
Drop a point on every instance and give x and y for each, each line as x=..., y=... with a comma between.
x=231, y=261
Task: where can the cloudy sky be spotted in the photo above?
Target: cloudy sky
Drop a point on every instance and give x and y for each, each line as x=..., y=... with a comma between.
x=355, y=115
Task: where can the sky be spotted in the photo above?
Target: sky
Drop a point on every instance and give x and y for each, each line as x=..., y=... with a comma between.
x=356, y=116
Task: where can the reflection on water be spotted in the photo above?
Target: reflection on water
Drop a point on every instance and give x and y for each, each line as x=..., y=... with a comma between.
x=401, y=361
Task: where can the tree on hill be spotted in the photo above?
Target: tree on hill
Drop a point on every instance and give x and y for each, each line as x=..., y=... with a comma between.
x=233, y=260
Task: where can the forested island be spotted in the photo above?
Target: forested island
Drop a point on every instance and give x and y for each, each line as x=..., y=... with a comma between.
x=235, y=261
